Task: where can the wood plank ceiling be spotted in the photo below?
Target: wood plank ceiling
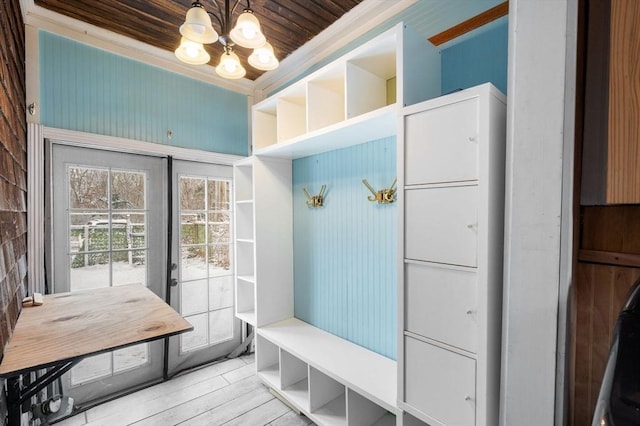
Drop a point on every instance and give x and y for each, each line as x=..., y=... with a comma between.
x=287, y=24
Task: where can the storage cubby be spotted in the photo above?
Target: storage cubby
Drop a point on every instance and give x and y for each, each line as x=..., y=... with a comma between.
x=244, y=220
x=265, y=125
x=363, y=412
x=326, y=98
x=244, y=259
x=243, y=181
x=292, y=114
x=268, y=362
x=294, y=379
x=327, y=399
x=245, y=299
x=354, y=99
x=370, y=76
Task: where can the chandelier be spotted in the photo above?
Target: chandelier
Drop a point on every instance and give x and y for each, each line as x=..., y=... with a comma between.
x=198, y=30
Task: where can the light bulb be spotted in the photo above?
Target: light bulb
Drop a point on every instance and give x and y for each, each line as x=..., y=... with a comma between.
x=249, y=31
x=229, y=65
x=263, y=58
x=191, y=52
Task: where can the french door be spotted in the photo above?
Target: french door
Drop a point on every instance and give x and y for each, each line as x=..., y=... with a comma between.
x=109, y=227
x=202, y=269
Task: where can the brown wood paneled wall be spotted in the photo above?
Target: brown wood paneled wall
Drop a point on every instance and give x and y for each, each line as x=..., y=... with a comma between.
x=13, y=168
x=602, y=284
x=623, y=169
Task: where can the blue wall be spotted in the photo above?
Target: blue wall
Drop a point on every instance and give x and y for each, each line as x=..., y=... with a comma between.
x=345, y=252
x=477, y=60
x=87, y=89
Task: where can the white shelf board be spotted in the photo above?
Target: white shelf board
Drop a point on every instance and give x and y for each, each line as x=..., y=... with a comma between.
x=298, y=394
x=249, y=317
x=247, y=278
x=370, y=374
x=244, y=240
x=367, y=127
x=332, y=413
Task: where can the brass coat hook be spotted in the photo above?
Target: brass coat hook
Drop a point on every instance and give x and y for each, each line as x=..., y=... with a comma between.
x=383, y=196
x=315, y=200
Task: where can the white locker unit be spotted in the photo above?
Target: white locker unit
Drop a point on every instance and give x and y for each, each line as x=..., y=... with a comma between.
x=450, y=248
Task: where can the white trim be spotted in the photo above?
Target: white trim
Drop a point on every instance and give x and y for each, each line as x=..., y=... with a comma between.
x=364, y=17
x=35, y=208
x=72, y=137
x=567, y=217
x=32, y=67
x=537, y=114
x=25, y=6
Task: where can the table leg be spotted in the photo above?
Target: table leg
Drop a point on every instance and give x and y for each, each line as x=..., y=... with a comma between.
x=13, y=401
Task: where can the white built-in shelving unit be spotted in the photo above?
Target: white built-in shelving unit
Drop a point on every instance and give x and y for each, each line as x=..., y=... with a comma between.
x=354, y=99
x=264, y=240
x=451, y=188
x=332, y=381
x=451, y=251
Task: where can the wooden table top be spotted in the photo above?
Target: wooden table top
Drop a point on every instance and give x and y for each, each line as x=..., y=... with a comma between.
x=70, y=326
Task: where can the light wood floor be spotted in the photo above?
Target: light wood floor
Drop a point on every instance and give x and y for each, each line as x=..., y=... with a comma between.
x=227, y=393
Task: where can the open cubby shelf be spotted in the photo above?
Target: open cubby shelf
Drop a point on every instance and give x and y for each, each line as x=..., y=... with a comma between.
x=352, y=100
x=326, y=377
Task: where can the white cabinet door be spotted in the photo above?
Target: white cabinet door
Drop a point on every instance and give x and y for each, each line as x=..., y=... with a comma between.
x=441, y=225
x=442, y=144
x=440, y=383
x=441, y=304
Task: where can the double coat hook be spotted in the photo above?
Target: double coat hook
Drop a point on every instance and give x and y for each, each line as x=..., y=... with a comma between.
x=383, y=196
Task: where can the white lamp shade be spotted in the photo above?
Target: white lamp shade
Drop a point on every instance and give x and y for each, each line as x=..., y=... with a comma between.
x=191, y=52
x=247, y=32
x=230, y=67
x=197, y=26
x=263, y=58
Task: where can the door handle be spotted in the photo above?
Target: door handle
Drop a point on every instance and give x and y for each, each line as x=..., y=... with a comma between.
x=174, y=282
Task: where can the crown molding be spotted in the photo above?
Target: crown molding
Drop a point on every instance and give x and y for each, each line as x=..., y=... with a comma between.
x=109, y=41
x=364, y=17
